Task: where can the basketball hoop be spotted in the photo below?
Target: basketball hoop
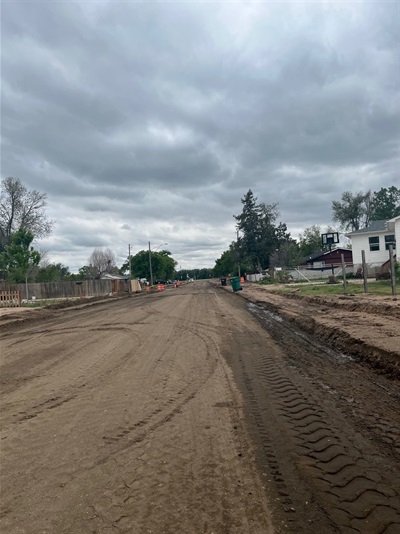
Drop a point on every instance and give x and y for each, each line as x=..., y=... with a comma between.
x=330, y=239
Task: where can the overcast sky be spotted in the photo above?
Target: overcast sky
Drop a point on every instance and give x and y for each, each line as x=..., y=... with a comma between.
x=149, y=121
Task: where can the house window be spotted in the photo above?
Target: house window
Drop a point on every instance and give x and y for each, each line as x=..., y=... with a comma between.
x=390, y=240
x=374, y=243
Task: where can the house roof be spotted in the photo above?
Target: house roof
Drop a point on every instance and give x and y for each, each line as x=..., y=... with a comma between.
x=374, y=226
x=321, y=253
x=108, y=276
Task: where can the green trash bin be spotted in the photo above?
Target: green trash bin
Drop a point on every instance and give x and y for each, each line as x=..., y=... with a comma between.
x=235, y=283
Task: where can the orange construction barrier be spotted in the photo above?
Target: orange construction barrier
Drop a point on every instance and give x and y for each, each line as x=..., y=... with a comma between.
x=242, y=279
x=160, y=287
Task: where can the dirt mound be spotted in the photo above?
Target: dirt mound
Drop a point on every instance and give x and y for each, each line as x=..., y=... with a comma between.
x=384, y=305
x=364, y=327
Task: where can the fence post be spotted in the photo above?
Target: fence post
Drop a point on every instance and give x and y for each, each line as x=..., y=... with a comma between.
x=365, y=274
x=344, y=273
x=392, y=271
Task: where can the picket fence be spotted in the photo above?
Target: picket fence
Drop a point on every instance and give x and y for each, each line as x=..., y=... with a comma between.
x=10, y=299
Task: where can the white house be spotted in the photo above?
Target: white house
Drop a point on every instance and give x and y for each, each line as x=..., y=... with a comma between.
x=374, y=240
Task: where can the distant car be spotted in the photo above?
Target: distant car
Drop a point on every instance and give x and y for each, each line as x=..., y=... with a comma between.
x=161, y=282
x=190, y=280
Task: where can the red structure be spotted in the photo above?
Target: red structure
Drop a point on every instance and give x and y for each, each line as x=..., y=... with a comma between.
x=320, y=261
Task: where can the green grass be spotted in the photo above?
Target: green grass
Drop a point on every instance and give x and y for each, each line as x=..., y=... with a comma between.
x=382, y=287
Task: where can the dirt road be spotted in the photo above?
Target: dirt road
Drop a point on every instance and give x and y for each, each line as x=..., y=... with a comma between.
x=191, y=411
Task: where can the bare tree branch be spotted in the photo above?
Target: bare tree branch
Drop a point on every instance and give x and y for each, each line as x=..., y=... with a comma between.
x=22, y=209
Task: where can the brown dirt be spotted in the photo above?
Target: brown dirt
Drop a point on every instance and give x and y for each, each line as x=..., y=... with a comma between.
x=363, y=326
x=201, y=411
x=124, y=417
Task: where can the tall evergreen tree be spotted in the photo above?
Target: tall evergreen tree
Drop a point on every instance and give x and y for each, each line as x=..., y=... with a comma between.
x=260, y=237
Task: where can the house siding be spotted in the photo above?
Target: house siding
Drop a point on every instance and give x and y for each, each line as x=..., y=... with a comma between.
x=324, y=261
x=397, y=236
x=374, y=258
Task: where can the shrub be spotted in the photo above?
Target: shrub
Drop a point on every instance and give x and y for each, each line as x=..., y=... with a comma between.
x=397, y=271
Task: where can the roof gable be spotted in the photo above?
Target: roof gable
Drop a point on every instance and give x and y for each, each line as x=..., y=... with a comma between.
x=374, y=226
x=321, y=253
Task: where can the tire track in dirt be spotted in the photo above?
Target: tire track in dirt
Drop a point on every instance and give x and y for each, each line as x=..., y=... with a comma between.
x=68, y=368
x=313, y=350
x=183, y=395
x=125, y=497
x=337, y=474
x=118, y=439
x=176, y=355
x=379, y=352
x=371, y=501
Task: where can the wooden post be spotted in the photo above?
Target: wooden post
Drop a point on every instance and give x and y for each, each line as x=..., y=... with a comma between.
x=392, y=271
x=344, y=273
x=365, y=274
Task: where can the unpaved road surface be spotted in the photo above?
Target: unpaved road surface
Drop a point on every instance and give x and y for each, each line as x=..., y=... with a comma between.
x=193, y=411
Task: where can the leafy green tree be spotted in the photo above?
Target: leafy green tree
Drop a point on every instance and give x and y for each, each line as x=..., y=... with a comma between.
x=386, y=204
x=162, y=263
x=310, y=241
x=260, y=236
x=86, y=272
x=52, y=272
x=21, y=209
x=198, y=274
x=201, y=274
x=397, y=271
x=354, y=211
x=287, y=255
x=19, y=257
x=227, y=263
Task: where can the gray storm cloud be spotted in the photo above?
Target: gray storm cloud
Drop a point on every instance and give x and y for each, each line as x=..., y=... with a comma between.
x=151, y=120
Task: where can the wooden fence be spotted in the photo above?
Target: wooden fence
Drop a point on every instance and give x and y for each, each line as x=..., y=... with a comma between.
x=10, y=299
x=68, y=289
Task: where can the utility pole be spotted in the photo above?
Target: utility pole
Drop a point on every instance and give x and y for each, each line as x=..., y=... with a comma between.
x=151, y=270
x=130, y=263
x=237, y=245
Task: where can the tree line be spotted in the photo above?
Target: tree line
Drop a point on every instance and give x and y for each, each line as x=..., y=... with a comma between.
x=23, y=219
x=262, y=240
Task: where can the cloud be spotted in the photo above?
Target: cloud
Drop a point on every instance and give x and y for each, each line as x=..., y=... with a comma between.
x=149, y=121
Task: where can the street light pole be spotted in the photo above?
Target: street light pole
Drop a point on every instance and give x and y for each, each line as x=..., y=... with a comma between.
x=151, y=270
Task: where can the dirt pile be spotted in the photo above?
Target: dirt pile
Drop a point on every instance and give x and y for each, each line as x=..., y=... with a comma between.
x=362, y=326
